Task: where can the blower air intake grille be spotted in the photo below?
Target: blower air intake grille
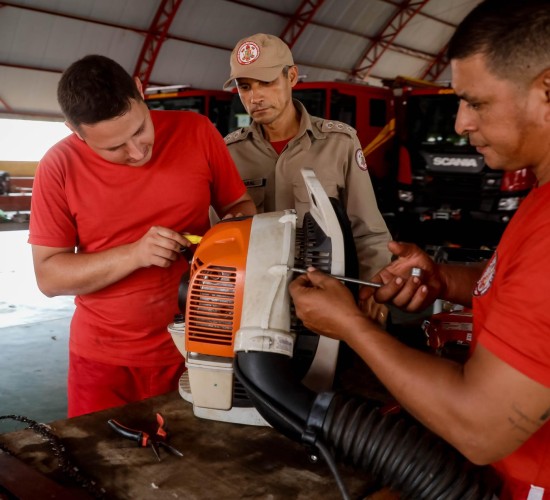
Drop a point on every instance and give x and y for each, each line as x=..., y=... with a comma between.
x=211, y=304
x=313, y=248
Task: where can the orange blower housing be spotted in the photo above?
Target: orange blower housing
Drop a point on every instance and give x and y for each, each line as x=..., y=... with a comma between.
x=216, y=289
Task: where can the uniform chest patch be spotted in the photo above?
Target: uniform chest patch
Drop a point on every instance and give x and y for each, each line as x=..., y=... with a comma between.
x=247, y=53
x=484, y=283
x=360, y=159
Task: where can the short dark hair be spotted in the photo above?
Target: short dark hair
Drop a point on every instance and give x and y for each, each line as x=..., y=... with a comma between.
x=95, y=88
x=514, y=37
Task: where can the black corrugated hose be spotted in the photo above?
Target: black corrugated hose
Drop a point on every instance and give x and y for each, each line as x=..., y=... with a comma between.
x=393, y=450
x=399, y=453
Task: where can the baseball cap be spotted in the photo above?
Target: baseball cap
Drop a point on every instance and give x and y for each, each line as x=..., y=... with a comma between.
x=261, y=57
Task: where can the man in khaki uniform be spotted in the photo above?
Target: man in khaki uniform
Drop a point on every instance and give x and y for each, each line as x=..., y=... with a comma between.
x=283, y=138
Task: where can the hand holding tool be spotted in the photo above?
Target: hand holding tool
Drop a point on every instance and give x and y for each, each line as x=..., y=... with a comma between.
x=187, y=251
x=341, y=278
x=143, y=439
x=415, y=271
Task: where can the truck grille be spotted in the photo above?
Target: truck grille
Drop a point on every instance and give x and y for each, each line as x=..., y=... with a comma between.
x=456, y=191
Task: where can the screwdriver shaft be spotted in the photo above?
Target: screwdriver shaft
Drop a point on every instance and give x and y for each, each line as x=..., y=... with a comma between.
x=341, y=278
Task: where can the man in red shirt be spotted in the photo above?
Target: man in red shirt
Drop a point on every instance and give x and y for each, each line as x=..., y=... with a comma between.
x=495, y=408
x=110, y=207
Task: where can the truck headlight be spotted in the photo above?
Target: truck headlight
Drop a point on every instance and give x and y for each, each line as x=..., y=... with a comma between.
x=405, y=196
x=509, y=204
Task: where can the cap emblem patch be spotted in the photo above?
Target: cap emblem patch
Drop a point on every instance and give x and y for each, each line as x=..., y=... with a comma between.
x=248, y=52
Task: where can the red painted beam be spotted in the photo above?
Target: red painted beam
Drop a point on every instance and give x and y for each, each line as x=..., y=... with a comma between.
x=437, y=66
x=156, y=36
x=299, y=21
x=407, y=11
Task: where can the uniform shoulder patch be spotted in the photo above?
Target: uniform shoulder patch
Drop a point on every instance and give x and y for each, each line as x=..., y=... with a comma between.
x=336, y=126
x=360, y=159
x=235, y=136
x=486, y=280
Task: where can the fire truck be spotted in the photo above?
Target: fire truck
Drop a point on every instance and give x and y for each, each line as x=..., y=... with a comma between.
x=439, y=175
x=422, y=170
x=212, y=103
x=420, y=167
x=368, y=109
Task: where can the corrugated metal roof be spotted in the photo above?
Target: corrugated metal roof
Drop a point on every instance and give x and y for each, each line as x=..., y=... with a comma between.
x=330, y=39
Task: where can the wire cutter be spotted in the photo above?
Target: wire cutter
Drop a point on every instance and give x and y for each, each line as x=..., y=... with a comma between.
x=143, y=439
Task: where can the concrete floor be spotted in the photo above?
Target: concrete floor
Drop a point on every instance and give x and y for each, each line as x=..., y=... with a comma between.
x=34, y=333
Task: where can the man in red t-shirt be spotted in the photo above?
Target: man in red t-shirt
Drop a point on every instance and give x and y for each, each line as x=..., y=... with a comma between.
x=495, y=408
x=110, y=207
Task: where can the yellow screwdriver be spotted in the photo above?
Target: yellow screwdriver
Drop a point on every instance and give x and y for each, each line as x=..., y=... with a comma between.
x=193, y=238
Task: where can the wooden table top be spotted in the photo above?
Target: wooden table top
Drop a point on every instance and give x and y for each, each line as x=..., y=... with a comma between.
x=221, y=460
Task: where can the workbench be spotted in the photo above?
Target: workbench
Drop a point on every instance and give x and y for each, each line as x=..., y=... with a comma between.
x=221, y=460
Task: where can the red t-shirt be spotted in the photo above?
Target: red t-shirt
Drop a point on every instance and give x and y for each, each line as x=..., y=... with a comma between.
x=512, y=320
x=81, y=200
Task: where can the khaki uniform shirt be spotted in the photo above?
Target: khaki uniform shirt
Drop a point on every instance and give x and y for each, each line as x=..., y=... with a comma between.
x=332, y=150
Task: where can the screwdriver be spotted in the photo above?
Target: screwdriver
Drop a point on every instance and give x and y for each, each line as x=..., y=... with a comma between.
x=194, y=240
x=341, y=278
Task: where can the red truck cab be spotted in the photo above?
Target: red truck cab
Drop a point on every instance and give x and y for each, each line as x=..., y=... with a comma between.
x=212, y=103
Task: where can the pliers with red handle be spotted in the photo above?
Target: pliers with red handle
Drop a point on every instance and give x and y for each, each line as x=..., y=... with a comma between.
x=143, y=439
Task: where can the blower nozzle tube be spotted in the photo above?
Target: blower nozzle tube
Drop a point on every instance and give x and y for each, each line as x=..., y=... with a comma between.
x=393, y=449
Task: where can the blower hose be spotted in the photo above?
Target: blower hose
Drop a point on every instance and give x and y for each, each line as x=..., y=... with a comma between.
x=394, y=450
x=286, y=422
x=398, y=452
